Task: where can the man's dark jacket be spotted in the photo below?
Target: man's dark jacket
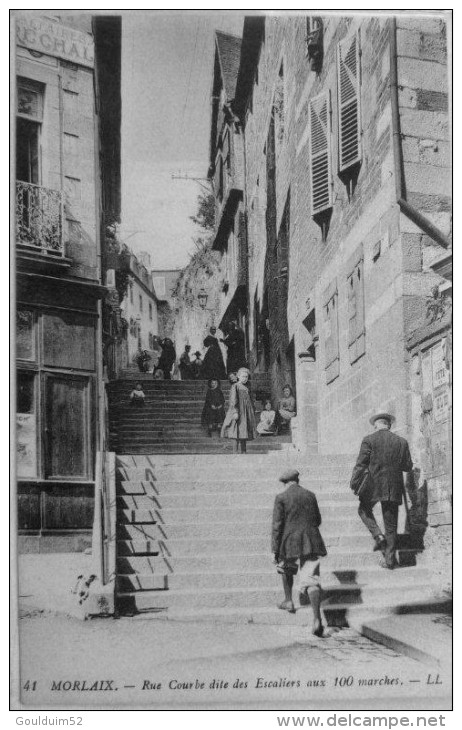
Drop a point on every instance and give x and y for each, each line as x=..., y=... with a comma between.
x=296, y=520
x=386, y=455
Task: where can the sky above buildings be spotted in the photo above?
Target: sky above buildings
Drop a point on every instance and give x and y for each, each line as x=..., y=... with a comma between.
x=167, y=62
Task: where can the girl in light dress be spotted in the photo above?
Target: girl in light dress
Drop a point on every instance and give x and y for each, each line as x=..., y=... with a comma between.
x=267, y=425
x=239, y=423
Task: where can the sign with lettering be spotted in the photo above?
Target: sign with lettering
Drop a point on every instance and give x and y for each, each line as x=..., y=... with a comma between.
x=427, y=373
x=440, y=371
x=441, y=406
x=53, y=39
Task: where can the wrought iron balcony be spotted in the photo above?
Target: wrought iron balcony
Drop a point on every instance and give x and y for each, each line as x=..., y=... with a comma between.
x=39, y=218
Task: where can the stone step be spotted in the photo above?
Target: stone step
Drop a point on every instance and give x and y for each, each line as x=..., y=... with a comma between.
x=139, y=540
x=122, y=403
x=157, y=416
x=233, y=467
x=191, y=533
x=334, y=526
x=134, y=461
x=130, y=375
x=186, y=449
x=208, y=494
x=367, y=588
x=180, y=426
x=222, y=515
x=163, y=487
x=257, y=563
x=205, y=501
x=193, y=434
x=339, y=598
x=342, y=615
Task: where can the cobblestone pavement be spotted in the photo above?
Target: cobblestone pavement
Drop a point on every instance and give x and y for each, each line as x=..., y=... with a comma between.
x=155, y=663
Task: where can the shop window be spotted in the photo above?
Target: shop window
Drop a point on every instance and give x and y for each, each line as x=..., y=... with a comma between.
x=320, y=154
x=25, y=335
x=69, y=340
x=26, y=425
x=331, y=342
x=356, y=329
x=348, y=85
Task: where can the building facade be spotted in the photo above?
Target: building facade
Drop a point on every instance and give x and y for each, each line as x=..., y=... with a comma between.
x=59, y=204
x=139, y=306
x=226, y=172
x=347, y=198
x=347, y=203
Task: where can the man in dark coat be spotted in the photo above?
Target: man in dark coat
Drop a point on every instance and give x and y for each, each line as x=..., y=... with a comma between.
x=185, y=364
x=167, y=357
x=296, y=538
x=385, y=456
x=235, y=342
x=213, y=365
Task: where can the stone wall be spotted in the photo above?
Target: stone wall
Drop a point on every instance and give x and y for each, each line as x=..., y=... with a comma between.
x=431, y=436
x=365, y=224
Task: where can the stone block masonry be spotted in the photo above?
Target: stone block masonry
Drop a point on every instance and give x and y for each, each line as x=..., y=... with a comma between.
x=363, y=212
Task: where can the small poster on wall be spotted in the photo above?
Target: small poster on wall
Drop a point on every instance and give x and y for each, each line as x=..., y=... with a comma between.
x=427, y=372
x=440, y=371
x=26, y=445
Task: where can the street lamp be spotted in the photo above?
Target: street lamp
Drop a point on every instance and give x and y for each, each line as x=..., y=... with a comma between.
x=202, y=298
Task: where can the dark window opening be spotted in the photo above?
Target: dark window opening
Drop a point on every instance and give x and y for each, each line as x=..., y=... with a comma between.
x=27, y=151
x=25, y=402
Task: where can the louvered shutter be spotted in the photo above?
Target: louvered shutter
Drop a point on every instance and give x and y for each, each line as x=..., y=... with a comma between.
x=356, y=329
x=320, y=153
x=331, y=340
x=348, y=81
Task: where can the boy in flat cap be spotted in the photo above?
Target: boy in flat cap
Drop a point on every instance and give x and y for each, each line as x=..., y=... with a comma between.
x=296, y=542
x=385, y=456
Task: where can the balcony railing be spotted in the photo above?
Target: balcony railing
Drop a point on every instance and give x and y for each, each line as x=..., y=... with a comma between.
x=39, y=218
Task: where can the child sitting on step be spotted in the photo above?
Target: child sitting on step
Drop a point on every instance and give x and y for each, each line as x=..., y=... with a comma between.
x=137, y=396
x=267, y=425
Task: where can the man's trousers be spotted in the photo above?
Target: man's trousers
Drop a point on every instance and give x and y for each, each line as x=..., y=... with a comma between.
x=390, y=521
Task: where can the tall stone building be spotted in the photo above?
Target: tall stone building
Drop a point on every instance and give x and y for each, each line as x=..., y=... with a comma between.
x=347, y=205
x=347, y=198
x=66, y=171
x=226, y=171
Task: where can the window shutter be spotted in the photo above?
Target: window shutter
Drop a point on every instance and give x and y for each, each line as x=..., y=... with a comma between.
x=320, y=153
x=356, y=328
x=226, y=149
x=348, y=84
x=331, y=339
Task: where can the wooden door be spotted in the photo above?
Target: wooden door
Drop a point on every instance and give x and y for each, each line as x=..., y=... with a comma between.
x=68, y=427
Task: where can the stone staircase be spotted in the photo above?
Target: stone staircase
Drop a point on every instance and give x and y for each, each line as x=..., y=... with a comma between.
x=170, y=421
x=193, y=540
